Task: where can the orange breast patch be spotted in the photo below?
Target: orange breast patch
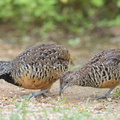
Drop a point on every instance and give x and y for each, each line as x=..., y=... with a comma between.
x=109, y=84
x=27, y=82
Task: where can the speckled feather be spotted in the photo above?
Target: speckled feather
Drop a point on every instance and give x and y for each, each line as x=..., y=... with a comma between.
x=101, y=71
x=38, y=67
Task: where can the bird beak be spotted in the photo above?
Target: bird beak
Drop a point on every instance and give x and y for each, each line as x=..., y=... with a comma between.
x=62, y=89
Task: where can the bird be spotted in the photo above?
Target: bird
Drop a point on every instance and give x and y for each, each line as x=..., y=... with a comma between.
x=101, y=71
x=38, y=67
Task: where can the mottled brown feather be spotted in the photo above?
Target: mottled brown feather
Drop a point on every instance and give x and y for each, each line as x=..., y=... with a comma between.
x=38, y=67
x=101, y=71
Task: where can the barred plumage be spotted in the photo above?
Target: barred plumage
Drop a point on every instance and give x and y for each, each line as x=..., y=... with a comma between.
x=101, y=71
x=38, y=67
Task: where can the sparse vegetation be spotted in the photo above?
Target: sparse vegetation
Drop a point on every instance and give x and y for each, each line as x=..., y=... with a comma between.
x=118, y=92
x=55, y=109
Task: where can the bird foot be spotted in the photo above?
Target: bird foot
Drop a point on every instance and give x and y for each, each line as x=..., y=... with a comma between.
x=102, y=97
x=27, y=96
x=106, y=94
x=42, y=92
x=44, y=95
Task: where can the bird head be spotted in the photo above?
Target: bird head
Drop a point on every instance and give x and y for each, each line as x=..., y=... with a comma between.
x=67, y=79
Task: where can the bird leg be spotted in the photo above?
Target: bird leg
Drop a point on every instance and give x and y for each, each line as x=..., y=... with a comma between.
x=36, y=94
x=106, y=94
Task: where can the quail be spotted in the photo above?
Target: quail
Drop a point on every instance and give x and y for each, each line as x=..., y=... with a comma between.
x=101, y=71
x=38, y=67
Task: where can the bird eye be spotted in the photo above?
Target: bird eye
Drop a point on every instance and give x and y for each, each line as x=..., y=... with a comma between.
x=66, y=81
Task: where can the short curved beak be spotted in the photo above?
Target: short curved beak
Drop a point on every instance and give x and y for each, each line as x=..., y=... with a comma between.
x=62, y=89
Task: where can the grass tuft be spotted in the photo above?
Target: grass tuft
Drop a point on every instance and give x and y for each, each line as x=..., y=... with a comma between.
x=118, y=92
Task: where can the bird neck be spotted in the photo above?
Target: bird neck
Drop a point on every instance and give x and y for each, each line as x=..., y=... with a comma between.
x=8, y=77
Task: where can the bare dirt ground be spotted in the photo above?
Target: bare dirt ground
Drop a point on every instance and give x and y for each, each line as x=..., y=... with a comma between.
x=77, y=95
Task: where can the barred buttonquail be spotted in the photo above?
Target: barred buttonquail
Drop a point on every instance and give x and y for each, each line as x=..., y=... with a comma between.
x=101, y=71
x=37, y=67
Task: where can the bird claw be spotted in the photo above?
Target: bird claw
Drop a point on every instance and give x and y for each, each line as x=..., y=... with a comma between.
x=102, y=97
x=44, y=95
x=42, y=92
x=32, y=95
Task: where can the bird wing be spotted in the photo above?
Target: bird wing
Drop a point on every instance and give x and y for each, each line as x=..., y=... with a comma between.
x=108, y=57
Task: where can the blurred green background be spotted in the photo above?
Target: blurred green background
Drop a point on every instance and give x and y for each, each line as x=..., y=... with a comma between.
x=69, y=15
x=88, y=25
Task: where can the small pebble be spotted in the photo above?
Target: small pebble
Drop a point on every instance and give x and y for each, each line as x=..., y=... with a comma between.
x=109, y=99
